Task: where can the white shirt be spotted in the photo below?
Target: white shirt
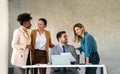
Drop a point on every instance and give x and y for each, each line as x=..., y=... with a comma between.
x=40, y=41
x=61, y=47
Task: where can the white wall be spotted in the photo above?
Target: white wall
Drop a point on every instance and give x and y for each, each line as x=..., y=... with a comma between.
x=100, y=17
x=3, y=37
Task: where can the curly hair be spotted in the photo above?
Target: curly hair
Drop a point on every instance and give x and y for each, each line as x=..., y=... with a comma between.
x=23, y=18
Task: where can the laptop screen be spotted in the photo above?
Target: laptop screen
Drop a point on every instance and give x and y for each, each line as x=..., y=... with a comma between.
x=60, y=60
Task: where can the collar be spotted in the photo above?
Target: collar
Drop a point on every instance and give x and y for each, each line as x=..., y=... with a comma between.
x=21, y=28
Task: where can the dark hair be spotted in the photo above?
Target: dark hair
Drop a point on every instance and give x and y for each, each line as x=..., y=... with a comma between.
x=59, y=34
x=23, y=18
x=44, y=20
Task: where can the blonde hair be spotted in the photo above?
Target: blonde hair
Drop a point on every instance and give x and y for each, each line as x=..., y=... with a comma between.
x=77, y=38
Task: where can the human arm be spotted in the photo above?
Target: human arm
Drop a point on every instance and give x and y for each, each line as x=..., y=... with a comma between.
x=51, y=53
x=88, y=48
x=87, y=60
x=17, y=40
x=30, y=47
x=50, y=42
x=80, y=49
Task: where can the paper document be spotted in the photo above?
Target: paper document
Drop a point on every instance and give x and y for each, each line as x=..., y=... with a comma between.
x=72, y=59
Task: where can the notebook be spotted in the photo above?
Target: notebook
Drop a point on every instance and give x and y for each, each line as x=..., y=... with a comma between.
x=60, y=60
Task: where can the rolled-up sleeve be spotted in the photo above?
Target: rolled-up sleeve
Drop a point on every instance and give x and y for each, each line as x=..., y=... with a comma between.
x=80, y=49
x=87, y=47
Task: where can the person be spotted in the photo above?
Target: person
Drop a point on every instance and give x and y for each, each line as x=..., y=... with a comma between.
x=41, y=41
x=21, y=44
x=63, y=47
x=88, y=46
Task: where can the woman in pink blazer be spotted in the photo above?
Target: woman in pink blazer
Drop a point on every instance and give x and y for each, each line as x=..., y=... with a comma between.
x=21, y=44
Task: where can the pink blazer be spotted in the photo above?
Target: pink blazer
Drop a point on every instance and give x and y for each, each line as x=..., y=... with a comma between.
x=20, y=52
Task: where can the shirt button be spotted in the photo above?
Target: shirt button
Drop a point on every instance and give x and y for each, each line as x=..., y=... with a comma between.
x=21, y=55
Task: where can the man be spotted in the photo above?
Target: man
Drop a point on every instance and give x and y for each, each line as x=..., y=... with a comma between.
x=60, y=48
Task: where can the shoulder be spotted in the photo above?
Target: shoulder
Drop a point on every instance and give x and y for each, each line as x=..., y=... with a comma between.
x=17, y=31
x=34, y=30
x=55, y=47
x=47, y=32
x=88, y=36
x=52, y=50
x=70, y=48
x=68, y=45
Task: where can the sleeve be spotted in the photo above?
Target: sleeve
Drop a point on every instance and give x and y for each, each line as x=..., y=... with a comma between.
x=80, y=49
x=32, y=37
x=75, y=55
x=16, y=41
x=50, y=42
x=51, y=53
x=87, y=46
x=73, y=52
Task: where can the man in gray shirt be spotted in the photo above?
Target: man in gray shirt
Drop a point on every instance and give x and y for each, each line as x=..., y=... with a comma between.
x=63, y=47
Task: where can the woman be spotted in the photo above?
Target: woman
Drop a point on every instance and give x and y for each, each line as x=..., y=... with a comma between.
x=21, y=44
x=88, y=46
x=41, y=41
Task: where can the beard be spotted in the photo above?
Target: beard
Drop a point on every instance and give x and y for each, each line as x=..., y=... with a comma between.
x=64, y=41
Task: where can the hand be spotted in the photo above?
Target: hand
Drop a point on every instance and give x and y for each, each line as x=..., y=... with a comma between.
x=87, y=60
x=76, y=48
x=29, y=47
x=32, y=49
x=88, y=63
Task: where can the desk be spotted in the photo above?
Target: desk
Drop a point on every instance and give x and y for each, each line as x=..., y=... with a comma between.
x=47, y=65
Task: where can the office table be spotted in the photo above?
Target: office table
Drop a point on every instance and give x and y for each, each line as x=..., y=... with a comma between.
x=80, y=66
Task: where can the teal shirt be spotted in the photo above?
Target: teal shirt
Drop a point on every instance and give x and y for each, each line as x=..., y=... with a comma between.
x=88, y=45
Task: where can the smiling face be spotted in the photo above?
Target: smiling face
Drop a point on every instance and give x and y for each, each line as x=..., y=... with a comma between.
x=78, y=31
x=63, y=39
x=41, y=25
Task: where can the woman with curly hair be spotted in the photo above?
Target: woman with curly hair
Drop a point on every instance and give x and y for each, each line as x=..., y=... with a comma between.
x=21, y=44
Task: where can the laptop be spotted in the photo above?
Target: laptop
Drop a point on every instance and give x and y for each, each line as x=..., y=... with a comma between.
x=60, y=60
